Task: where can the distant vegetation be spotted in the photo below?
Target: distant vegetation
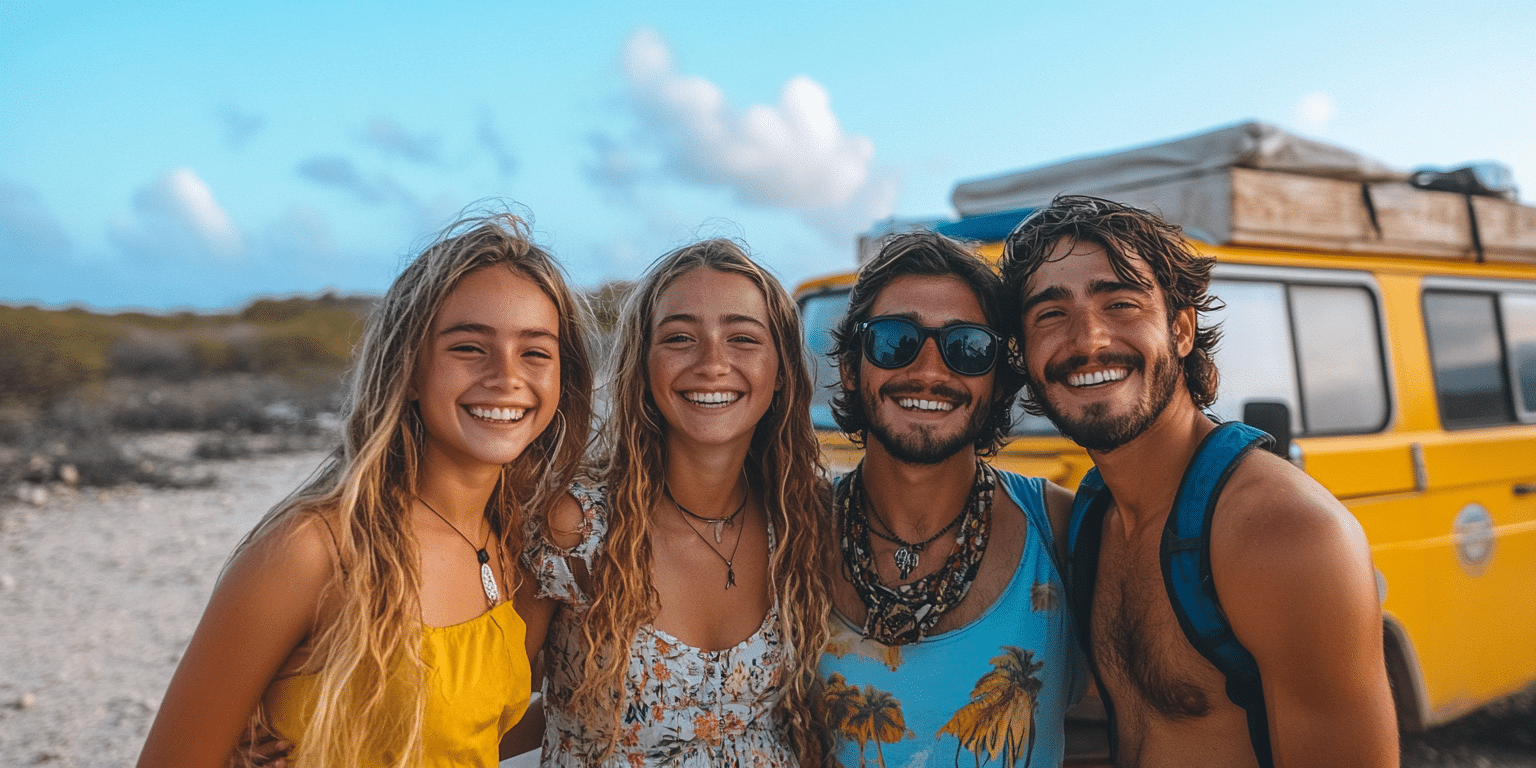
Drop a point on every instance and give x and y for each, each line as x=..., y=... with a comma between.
x=45, y=355
x=78, y=387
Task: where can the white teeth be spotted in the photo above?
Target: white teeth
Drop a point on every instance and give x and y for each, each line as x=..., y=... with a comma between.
x=497, y=414
x=1097, y=377
x=924, y=405
x=711, y=398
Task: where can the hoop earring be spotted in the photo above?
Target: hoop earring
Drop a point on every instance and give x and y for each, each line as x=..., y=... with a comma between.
x=559, y=439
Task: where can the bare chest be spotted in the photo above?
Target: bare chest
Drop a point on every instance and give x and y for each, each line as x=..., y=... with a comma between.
x=1149, y=669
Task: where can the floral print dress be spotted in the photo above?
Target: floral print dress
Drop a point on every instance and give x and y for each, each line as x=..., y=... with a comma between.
x=686, y=706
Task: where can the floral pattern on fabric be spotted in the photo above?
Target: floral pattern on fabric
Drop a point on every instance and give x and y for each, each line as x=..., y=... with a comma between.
x=689, y=707
x=551, y=564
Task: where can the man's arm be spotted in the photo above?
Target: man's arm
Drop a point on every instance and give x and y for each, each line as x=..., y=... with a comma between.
x=1058, y=505
x=1294, y=575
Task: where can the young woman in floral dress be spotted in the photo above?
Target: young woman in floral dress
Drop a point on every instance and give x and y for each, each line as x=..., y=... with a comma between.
x=694, y=603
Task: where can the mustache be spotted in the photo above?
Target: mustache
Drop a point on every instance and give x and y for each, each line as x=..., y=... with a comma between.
x=1058, y=372
x=905, y=388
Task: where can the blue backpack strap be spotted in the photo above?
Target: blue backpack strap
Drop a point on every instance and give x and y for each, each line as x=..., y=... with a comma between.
x=1186, y=562
x=1084, y=534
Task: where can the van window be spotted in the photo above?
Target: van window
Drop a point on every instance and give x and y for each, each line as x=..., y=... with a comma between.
x=1471, y=379
x=1520, y=331
x=820, y=313
x=1338, y=351
x=1254, y=356
x=1316, y=348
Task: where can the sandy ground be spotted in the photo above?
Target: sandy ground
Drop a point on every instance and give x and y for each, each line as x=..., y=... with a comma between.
x=100, y=591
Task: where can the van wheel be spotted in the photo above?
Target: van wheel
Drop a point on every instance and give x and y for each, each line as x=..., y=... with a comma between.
x=1404, y=680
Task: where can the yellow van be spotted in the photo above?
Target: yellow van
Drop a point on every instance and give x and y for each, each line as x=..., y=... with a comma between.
x=1401, y=377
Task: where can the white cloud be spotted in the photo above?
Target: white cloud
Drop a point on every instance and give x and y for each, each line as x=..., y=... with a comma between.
x=28, y=228
x=793, y=155
x=391, y=137
x=339, y=172
x=240, y=126
x=178, y=216
x=302, y=232
x=614, y=169
x=1315, y=111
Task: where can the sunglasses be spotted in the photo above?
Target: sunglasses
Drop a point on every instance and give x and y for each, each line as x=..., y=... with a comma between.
x=893, y=342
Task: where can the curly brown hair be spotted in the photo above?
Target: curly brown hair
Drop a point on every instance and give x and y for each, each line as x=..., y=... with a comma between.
x=922, y=253
x=784, y=466
x=1124, y=232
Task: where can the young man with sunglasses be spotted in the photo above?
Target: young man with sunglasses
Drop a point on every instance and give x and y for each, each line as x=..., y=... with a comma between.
x=950, y=634
x=1228, y=601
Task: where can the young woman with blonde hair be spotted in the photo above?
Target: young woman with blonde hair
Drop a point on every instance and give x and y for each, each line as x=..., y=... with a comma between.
x=368, y=618
x=695, y=606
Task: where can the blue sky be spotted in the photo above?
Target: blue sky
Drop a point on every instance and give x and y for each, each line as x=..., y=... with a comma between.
x=195, y=154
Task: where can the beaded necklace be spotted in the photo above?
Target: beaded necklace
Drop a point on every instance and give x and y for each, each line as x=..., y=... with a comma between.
x=906, y=613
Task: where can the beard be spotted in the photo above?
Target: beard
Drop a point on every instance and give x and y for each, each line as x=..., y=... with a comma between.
x=1096, y=428
x=921, y=444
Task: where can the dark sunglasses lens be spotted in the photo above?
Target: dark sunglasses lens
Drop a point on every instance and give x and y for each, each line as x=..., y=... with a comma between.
x=891, y=343
x=969, y=351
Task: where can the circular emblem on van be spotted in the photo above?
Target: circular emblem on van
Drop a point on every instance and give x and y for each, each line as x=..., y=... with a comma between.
x=1473, y=534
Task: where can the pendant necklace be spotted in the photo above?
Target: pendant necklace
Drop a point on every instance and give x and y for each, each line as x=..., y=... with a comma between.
x=906, y=554
x=718, y=522
x=487, y=578
x=905, y=613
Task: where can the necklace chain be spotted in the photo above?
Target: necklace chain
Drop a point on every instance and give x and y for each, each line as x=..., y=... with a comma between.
x=487, y=578
x=906, y=613
x=906, y=554
x=730, y=562
x=717, y=522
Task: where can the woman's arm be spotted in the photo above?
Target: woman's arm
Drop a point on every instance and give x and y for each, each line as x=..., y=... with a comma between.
x=261, y=610
x=528, y=734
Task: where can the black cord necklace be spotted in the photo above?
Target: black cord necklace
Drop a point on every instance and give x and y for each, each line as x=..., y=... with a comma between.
x=487, y=578
x=730, y=562
x=906, y=554
x=717, y=522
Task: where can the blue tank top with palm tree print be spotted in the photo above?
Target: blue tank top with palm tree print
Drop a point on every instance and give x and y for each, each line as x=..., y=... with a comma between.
x=993, y=692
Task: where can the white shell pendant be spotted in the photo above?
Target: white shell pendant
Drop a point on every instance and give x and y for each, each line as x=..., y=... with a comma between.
x=487, y=578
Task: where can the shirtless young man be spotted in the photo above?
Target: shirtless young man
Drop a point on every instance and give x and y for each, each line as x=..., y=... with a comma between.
x=949, y=633
x=1109, y=299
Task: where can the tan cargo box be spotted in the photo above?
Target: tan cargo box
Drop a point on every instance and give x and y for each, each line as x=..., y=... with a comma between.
x=1256, y=185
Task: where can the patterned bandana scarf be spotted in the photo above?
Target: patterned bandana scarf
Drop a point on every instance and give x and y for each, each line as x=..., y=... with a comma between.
x=907, y=612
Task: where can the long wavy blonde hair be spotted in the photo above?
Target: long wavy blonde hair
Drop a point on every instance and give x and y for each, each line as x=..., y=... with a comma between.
x=363, y=493
x=783, y=462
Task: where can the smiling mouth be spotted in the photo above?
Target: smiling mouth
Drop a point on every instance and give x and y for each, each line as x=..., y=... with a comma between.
x=914, y=404
x=712, y=399
x=1097, y=377
x=496, y=415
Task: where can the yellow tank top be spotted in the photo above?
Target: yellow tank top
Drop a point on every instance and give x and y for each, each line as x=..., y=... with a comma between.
x=477, y=684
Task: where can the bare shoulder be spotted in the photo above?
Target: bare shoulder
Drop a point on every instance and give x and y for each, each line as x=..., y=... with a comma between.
x=1280, y=539
x=1058, y=506
x=1273, y=511
x=298, y=554
x=568, y=518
